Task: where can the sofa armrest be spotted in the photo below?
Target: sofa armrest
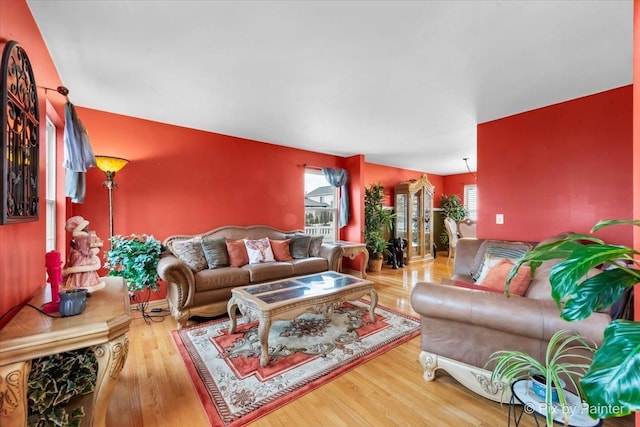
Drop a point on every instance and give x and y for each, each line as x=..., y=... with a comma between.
x=180, y=281
x=538, y=319
x=333, y=253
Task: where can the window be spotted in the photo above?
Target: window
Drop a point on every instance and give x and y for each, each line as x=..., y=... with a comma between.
x=320, y=206
x=50, y=177
x=471, y=200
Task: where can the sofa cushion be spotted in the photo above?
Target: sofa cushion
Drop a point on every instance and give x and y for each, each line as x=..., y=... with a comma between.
x=219, y=278
x=280, y=249
x=259, y=251
x=497, y=278
x=299, y=245
x=314, y=245
x=215, y=252
x=191, y=252
x=268, y=271
x=309, y=265
x=237, y=253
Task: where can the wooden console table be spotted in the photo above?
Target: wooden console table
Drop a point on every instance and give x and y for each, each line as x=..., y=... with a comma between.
x=352, y=250
x=30, y=334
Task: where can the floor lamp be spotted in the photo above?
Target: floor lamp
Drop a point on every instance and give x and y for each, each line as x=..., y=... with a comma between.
x=110, y=165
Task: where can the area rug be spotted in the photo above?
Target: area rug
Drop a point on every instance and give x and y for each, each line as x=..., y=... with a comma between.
x=305, y=353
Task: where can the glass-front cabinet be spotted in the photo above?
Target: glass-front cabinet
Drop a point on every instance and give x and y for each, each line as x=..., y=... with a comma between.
x=414, y=218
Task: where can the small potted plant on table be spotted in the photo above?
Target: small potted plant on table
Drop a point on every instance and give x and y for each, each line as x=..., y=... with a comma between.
x=567, y=355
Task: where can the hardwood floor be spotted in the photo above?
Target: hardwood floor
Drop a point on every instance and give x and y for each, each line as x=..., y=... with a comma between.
x=154, y=388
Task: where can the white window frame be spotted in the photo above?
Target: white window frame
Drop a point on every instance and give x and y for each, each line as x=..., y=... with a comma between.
x=50, y=185
x=330, y=235
x=471, y=200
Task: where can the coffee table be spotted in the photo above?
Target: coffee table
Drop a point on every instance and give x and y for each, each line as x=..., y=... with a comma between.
x=288, y=298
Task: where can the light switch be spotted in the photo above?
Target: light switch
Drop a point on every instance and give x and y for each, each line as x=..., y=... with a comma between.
x=499, y=218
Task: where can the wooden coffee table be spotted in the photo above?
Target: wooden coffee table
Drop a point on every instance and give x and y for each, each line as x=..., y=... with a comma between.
x=288, y=298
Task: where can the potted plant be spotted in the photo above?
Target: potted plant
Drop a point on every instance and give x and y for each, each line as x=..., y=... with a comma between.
x=452, y=207
x=377, y=220
x=611, y=386
x=135, y=259
x=567, y=355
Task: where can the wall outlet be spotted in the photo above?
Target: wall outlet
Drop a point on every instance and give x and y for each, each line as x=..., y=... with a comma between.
x=499, y=218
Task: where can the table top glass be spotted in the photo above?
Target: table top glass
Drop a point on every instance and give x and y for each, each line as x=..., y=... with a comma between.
x=305, y=286
x=577, y=409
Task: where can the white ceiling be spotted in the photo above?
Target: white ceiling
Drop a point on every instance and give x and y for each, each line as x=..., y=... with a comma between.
x=403, y=82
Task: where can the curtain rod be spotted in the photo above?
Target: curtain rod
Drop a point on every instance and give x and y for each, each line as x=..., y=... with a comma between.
x=313, y=167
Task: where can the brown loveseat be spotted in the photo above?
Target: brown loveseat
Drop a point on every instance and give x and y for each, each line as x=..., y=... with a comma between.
x=462, y=326
x=199, y=286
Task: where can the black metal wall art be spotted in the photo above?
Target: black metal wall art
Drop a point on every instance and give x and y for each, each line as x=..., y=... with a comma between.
x=20, y=126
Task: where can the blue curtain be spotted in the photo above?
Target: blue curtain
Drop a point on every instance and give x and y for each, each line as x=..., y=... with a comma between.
x=339, y=178
x=78, y=155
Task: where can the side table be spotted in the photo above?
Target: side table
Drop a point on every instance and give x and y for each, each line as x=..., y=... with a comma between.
x=102, y=326
x=352, y=250
x=522, y=394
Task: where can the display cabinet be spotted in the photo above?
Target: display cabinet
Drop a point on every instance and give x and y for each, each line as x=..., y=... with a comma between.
x=414, y=218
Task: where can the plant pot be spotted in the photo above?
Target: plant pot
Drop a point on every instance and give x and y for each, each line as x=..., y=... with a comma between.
x=72, y=301
x=539, y=387
x=375, y=265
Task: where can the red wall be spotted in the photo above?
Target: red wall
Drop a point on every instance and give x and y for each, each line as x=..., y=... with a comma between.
x=182, y=180
x=389, y=176
x=454, y=184
x=22, y=246
x=558, y=168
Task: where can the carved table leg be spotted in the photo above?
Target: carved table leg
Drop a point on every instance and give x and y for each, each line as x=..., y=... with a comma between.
x=111, y=357
x=373, y=295
x=365, y=262
x=263, y=334
x=13, y=394
x=231, y=311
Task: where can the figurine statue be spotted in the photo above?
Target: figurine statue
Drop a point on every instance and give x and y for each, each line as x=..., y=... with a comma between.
x=81, y=269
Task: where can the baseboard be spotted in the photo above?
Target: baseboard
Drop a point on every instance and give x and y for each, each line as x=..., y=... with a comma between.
x=157, y=303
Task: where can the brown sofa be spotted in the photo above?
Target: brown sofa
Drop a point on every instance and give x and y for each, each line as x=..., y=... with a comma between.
x=462, y=326
x=206, y=291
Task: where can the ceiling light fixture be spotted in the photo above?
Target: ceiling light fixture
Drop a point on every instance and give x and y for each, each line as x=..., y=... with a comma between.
x=466, y=163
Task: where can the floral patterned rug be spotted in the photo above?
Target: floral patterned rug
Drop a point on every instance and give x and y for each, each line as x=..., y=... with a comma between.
x=305, y=353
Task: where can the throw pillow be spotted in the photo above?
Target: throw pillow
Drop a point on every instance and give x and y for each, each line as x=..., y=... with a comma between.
x=299, y=245
x=191, y=252
x=496, y=278
x=489, y=262
x=259, y=251
x=497, y=248
x=280, y=250
x=215, y=252
x=314, y=245
x=237, y=253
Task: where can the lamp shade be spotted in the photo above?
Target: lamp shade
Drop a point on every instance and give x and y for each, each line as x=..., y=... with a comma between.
x=110, y=164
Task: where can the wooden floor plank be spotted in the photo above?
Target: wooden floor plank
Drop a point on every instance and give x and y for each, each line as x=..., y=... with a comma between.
x=154, y=388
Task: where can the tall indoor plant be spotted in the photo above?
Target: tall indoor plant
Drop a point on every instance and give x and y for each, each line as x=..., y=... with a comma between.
x=377, y=220
x=612, y=385
x=135, y=259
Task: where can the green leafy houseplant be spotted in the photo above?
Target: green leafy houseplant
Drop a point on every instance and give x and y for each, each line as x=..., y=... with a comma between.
x=376, y=221
x=566, y=355
x=612, y=384
x=55, y=381
x=452, y=207
x=135, y=259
